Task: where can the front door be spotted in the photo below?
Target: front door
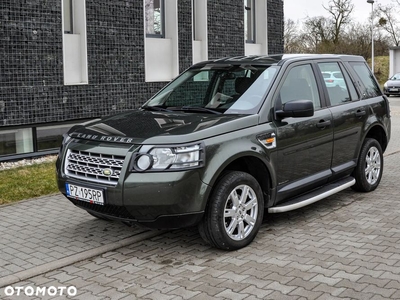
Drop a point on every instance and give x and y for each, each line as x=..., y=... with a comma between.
x=304, y=145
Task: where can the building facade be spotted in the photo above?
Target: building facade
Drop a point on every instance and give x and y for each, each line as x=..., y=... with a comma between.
x=66, y=61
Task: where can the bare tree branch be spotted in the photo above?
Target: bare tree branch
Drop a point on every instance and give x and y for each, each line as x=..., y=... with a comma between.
x=340, y=11
x=387, y=21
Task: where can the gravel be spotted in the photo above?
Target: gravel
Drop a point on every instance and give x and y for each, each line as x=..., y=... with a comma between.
x=27, y=162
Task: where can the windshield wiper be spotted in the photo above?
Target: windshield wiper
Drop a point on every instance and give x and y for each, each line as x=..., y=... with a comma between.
x=199, y=108
x=155, y=108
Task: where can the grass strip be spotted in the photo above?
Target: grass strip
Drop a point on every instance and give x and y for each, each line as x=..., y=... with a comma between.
x=27, y=182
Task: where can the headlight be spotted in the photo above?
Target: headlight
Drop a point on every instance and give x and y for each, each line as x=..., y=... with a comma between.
x=385, y=85
x=154, y=158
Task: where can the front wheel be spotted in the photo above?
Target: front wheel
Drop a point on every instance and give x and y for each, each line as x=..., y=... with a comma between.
x=234, y=213
x=368, y=172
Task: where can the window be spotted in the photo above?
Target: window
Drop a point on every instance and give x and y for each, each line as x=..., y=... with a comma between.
x=225, y=88
x=249, y=21
x=369, y=87
x=194, y=17
x=300, y=84
x=25, y=141
x=155, y=15
x=200, y=33
x=50, y=137
x=335, y=81
x=161, y=41
x=16, y=141
x=68, y=18
x=74, y=42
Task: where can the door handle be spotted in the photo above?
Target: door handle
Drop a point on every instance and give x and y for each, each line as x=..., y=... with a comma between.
x=323, y=124
x=360, y=113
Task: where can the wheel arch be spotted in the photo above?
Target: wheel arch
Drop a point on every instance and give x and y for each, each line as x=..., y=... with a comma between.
x=378, y=133
x=252, y=165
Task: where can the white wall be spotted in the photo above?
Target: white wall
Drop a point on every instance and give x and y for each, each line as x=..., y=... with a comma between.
x=75, y=47
x=200, y=31
x=161, y=54
x=394, y=60
x=260, y=47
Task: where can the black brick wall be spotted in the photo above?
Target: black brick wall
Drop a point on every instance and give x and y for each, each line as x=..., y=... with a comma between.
x=31, y=60
x=225, y=28
x=275, y=26
x=185, y=34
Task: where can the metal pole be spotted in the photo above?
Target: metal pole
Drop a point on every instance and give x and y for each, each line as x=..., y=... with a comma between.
x=372, y=35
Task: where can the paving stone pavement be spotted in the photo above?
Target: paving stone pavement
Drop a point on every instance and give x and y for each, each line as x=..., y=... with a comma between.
x=42, y=231
x=346, y=246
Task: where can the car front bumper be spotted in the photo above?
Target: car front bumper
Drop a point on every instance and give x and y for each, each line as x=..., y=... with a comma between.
x=156, y=200
x=392, y=91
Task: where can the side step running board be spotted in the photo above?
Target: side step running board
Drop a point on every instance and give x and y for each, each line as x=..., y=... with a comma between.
x=314, y=196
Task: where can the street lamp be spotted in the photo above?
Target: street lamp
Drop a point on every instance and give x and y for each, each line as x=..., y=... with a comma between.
x=372, y=34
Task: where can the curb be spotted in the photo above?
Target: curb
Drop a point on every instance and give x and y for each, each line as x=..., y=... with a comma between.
x=63, y=262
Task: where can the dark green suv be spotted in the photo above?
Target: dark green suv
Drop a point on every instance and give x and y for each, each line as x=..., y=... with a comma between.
x=228, y=139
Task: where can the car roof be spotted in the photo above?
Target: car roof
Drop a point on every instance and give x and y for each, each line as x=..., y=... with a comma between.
x=277, y=59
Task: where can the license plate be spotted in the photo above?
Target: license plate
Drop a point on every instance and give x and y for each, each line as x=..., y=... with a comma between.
x=394, y=90
x=86, y=194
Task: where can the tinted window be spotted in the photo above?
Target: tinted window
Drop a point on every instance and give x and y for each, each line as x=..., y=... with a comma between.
x=368, y=85
x=300, y=84
x=223, y=88
x=339, y=86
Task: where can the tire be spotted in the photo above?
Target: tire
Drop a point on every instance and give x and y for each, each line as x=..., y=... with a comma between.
x=368, y=172
x=100, y=217
x=234, y=212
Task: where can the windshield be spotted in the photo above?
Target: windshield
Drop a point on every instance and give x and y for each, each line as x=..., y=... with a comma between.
x=238, y=89
x=395, y=77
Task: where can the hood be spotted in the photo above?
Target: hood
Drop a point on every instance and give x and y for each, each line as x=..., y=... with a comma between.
x=140, y=127
x=395, y=83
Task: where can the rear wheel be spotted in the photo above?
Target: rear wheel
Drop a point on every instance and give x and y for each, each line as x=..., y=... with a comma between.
x=234, y=213
x=368, y=172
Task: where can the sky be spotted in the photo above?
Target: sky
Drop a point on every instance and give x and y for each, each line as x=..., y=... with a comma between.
x=300, y=9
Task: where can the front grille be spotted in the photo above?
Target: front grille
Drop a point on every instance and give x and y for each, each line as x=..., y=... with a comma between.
x=101, y=168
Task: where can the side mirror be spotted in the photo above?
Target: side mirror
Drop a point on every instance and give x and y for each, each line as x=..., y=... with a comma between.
x=296, y=109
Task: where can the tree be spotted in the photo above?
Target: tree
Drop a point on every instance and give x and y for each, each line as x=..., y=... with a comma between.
x=324, y=34
x=292, y=37
x=387, y=21
x=340, y=11
x=339, y=34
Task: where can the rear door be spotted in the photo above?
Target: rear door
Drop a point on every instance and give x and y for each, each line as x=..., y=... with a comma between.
x=349, y=116
x=304, y=144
